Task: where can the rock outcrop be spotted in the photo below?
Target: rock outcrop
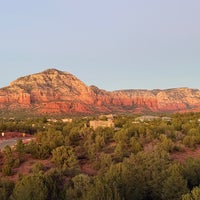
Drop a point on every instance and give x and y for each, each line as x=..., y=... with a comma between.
x=54, y=91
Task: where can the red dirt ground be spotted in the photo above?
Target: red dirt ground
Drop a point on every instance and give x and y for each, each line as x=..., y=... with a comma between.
x=182, y=156
x=26, y=167
x=9, y=135
x=87, y=169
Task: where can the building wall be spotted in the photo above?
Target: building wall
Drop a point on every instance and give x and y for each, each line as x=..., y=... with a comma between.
x=98, y=123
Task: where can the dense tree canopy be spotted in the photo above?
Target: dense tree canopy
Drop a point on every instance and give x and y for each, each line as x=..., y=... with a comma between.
x=132, y=160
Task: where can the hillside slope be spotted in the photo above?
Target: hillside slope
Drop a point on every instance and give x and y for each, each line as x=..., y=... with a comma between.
x=54, y=91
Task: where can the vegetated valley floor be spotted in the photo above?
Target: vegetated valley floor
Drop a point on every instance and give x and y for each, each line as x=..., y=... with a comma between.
x=85, y=167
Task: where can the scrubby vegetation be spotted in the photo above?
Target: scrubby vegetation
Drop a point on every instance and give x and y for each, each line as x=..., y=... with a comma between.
x=132, y=160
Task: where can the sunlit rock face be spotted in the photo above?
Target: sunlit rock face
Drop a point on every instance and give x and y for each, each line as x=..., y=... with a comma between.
x=54, y=91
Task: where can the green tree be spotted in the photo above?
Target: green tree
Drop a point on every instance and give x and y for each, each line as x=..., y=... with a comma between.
x=103, y=162
x=30, y=187
x=20, y=149
x=106, y=133
x=39, y=151
x=166, y=144
x=136, y=146
x=74, y=136
x=191, y=171
x=51, y=138
x=193, y=195
x=65, y=158
x=80, y=184
x=6, y=189
x=190, y=141
x=120, y=151
x=99, y=142
x=144, y=174
x=100, y=190
x=174, y=185
x=8, y=161
x=55, y=183
x=38, y=167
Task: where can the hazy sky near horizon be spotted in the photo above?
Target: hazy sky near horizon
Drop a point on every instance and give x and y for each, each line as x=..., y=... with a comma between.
x=113, y=44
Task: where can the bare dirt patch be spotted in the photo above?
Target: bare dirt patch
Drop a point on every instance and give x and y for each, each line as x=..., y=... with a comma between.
x=86, y=168
x=188, y=153
x=25, y=168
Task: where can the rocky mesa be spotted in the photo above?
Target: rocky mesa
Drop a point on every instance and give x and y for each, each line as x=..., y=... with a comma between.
x=54, y=91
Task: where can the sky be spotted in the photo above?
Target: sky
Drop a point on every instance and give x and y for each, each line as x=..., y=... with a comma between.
x=113, y=44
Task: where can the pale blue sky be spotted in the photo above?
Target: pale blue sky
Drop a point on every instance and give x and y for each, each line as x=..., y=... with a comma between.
x=113, y=44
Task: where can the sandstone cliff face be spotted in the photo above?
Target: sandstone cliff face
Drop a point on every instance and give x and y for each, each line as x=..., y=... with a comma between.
x=179, y=99
x=54, y=91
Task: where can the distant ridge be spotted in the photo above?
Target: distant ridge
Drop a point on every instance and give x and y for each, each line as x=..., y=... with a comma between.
x=53, y=91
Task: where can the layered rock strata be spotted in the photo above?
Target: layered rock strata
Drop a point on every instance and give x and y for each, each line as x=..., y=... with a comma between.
x=54, y=91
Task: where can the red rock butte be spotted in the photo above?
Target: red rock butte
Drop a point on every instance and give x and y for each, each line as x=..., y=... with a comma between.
x=54, y=91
